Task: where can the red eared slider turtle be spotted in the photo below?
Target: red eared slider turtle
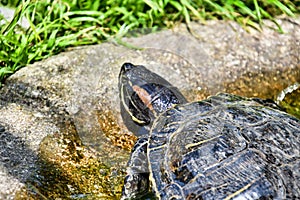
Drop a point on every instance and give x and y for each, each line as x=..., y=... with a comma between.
x=224, y=147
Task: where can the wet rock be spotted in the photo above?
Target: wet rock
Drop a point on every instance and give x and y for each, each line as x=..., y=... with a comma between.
x=60, y=125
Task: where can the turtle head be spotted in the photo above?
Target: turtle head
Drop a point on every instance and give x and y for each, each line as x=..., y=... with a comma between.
x=143, y=96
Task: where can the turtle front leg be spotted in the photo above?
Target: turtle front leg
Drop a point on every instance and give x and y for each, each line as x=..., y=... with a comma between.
x=136, y=183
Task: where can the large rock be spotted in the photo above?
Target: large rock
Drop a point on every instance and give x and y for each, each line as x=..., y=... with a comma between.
x=226, y=57
x=60, y=129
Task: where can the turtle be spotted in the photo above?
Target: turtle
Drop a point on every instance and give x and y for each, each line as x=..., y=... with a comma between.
x=223, y=147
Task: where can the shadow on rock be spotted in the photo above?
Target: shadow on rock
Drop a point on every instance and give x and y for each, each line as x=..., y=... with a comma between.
x=41, y=154
x=17, y=159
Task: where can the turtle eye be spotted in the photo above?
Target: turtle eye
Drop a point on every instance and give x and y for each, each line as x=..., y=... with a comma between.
x=140, y=113
x=126, y=67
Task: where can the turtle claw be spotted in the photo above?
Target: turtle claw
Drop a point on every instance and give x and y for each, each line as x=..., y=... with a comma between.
x=135, y=186
x=136, y=183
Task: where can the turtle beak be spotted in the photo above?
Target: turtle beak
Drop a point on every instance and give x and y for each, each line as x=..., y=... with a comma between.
x=126, y=67
x=133, y=98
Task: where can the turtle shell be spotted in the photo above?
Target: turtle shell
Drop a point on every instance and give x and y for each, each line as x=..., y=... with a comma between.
x=225, y=147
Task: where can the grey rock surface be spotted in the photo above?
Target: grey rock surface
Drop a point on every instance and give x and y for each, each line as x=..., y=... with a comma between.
x=226, y=57
x=80, y=85
x=8, y=14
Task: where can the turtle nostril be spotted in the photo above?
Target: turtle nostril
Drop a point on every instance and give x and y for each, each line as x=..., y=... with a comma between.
x=127, y=66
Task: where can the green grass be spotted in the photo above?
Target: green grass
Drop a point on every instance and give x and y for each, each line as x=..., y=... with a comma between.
x=59, y=24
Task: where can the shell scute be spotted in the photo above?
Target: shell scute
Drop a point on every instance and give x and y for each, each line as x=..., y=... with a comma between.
x=229, y=150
